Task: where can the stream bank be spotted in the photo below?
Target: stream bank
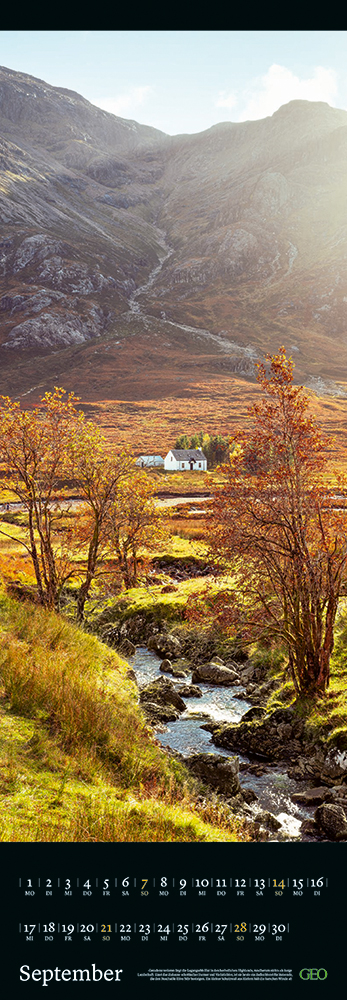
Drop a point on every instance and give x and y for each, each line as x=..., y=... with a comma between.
x=262, y=764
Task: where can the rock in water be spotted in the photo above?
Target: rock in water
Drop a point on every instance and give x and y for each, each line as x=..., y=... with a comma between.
x=331, y=821
x=162, y=692
x=211, y=673
x=190, y=691
x=127, y=647
x=165, y=645
x=221, y=773
x=166, y=666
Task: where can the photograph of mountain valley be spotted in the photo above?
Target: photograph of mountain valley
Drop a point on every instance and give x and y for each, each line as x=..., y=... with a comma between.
x=173, y=436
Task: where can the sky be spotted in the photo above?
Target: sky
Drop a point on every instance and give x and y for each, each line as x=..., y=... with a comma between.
x=186, y=81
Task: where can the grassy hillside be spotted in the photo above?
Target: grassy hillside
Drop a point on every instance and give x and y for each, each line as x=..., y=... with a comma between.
x=77, y=761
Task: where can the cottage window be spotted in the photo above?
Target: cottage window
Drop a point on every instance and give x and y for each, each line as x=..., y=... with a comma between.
x=199, y=465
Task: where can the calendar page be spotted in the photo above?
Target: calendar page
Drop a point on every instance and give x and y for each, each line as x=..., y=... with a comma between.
x=170, y=916
x=173, y=510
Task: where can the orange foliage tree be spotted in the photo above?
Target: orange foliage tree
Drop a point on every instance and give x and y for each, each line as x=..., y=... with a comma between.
x=134, y=521
x=277, y=531
x=42, y=449
x=34, y=458
x=101, y=478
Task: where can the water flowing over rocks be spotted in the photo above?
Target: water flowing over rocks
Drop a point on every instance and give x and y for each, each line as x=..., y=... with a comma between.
x=276, y=747
x=181, y=668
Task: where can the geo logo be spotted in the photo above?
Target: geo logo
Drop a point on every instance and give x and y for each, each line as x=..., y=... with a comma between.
x=313, y=973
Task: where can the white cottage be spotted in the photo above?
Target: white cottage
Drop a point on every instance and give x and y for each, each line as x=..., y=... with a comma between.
x=150, y=461
x=186, y=459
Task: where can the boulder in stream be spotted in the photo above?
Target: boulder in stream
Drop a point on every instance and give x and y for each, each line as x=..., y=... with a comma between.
x=268, y=820
x=311, y=796
x=275, y=737
x=160, y=713
x=162, y=692
x=166, y=666
x=221, y=773
x=190, y=691
x=211, y=673
x=165, y=645
x=331, y=821
x=127, y=648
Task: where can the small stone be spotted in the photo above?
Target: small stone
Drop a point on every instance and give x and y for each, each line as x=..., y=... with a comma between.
x=127, y=647
x=166, y=667
x=249, y=795
x=268, y=820
x=179, y=672
x=131, y=675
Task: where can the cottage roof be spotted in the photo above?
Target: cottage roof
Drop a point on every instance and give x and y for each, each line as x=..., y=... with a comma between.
x=188, y=454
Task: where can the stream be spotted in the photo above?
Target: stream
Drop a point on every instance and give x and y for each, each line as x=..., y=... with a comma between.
x=226, y=346
x=273, y=787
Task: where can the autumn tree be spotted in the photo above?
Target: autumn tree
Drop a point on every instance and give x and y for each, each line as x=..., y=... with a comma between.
x=276, y=530
x=103, y=478
x=34, y=458
x=40, y=449
x=134, y=521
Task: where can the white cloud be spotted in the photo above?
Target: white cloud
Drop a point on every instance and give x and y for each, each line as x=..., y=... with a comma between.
x=226, y=100
x=280, y=85
x=126, y=104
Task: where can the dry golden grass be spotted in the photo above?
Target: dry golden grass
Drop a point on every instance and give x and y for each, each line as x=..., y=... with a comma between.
x=77, y=759
x=218, y=405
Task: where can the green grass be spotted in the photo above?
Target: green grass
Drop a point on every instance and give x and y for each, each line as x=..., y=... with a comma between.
x=325, y=717
x=77, y=759
x=154, y=607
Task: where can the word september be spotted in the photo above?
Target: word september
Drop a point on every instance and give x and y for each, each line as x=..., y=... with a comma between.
x=65, y=975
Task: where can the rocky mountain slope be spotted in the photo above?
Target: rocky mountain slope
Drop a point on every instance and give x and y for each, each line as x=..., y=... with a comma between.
x=131, y=259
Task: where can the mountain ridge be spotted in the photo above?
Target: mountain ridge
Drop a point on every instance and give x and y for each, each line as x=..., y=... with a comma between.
x=194, y=254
